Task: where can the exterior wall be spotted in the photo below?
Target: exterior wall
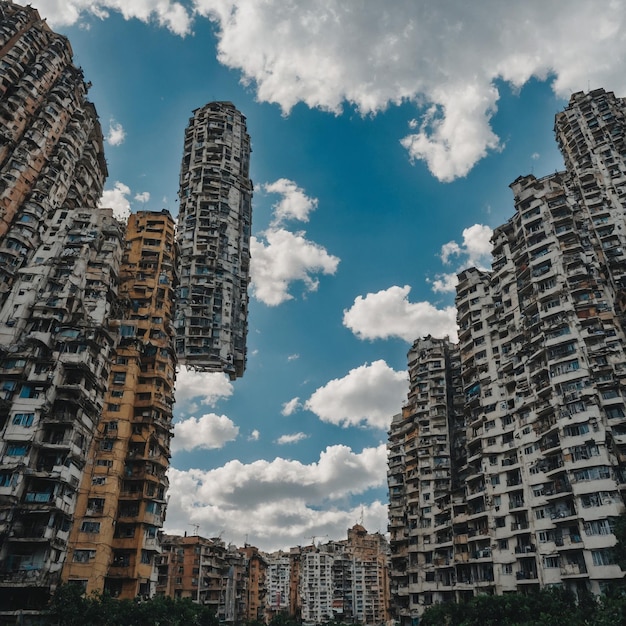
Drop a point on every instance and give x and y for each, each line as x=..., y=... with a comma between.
x=114, y=541
x=214, y=225
x=424, y=452
x=543, y=365
x=316, y=586
x=54, y=364
x=369, y=558
x=51, y=153
x=192, y=567
x=277, y=583
x=256, y=584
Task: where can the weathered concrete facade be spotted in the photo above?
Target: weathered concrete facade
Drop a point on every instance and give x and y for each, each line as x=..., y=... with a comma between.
x=543, y=368
x=122, y=500
x=214, y=224
x=54, y=365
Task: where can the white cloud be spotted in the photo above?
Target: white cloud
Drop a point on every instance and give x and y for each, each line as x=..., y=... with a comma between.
x=116, y=134
x=254, y=435
x=293, y=438
x=143, y=197
x=388, y=313
x=117, y=199
x=293, y=357
x=476, y=248
x=207, y=432
x=534, y=156
x=290, y=407
x=295, y=204
x=368, y=395
x=283, y=258
x=448, y=250
x=445, y=283
x=288, y=500
x=205, y=387
x=326, y=54
x=171, y=15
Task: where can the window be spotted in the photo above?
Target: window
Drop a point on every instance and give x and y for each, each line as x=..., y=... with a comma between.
x=551, y=561
x=23, y=419
x=598, y=527
x=17, y=449
x=602, y=557
x=114, y=408
x=29, y=391
x=507, y=568
x=119, y=378
x=90, y=527
x=83, y=556
x=6, y=479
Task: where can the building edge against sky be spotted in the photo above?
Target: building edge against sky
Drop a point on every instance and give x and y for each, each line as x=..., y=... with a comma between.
x=507, y=465
x=214, y=226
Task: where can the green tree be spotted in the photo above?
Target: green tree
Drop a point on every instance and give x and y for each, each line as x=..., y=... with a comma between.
x=70, y=608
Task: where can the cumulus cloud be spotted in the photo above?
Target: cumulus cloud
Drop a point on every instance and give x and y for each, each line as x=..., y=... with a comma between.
x=326, y=54
x=171, y=15
x=143, y=197
x=117, y=199
x=207, y=432
x=293, y=438
x=290, y=407
x=116, y=134
x=475, y=249
x=283, y=258
x=204, y=387
x=445, y=283
x=368, y=395
x=295, y=204
x=293, y=357
x=287, y=499
x=388, y=313
x=254, y=435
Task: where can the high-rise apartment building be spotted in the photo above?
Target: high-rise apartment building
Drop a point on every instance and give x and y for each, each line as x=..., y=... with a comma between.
x=59, y=261
x=121, y=505
x=87, y=326
x=214, y=223
x=535, y=459
x=51, y=152
x=344, y=580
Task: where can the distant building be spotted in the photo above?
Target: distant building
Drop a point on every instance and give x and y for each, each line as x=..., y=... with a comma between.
x=518, y=486
x=277, y=580
x=192, y=567
x=214, y=225
x=256, y=584
x=345, y=580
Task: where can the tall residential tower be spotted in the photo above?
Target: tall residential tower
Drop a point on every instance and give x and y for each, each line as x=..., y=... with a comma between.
x=214, y=224
x=539, y=473
x=59, y=261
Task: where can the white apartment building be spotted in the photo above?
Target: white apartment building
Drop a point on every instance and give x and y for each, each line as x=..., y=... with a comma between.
x=536, y=454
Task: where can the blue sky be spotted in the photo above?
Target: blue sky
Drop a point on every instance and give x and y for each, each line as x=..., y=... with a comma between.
x=384, y=140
